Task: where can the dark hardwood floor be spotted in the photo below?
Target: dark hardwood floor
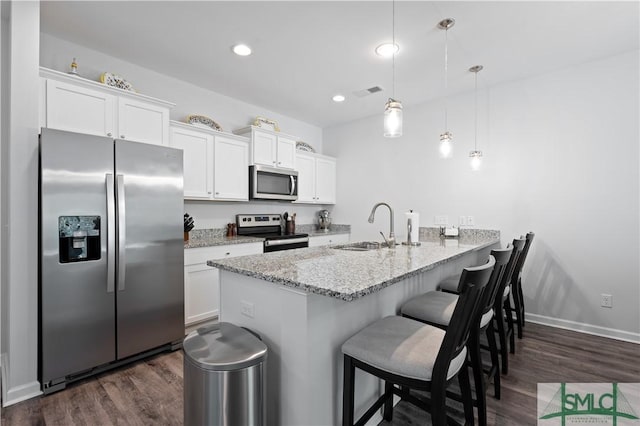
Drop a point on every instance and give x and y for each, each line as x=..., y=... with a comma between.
x=150, y=392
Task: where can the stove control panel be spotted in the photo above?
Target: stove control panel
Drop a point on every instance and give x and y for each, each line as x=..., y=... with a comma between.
x=258, y=220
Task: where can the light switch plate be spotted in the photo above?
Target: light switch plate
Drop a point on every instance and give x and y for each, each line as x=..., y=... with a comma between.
x=247, y=309
x=471, y=221
x=462, y=221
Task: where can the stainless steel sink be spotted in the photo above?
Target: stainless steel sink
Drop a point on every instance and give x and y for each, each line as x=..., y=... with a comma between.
x=360, y=246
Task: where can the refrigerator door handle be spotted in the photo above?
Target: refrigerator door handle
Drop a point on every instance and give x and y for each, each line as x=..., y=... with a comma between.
x=122, y=236
x=111, y=235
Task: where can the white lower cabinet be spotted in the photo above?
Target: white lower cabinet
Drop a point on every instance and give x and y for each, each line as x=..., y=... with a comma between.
x=202, y=282
x=328, y=240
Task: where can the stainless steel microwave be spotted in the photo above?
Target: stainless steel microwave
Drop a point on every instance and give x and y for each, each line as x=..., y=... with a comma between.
x=270, y=183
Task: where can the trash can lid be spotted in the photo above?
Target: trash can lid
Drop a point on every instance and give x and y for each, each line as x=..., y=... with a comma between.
x=224, y=347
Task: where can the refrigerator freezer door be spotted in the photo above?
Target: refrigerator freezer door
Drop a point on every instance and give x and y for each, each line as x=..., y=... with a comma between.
x=77, y=311
x=150, y=298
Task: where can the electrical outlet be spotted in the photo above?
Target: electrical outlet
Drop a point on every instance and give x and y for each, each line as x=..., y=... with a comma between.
x=606, y=300
x=440, y=220
x=471, y=221
x=247, y=309
x=462, y=221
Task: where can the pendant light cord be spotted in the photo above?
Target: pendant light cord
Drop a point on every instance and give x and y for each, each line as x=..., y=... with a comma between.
x=393, y=57
x=475, y=143
x=446, y=78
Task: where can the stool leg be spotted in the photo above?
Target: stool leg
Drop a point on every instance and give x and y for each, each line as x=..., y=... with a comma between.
x=347, y=392
x=388, y=404
x=465, y=391
x=495, y=368
x=502, y=336
x=510, y=326
x=478, y=377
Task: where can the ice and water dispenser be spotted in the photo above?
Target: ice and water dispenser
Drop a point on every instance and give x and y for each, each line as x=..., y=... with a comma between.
x=79, y=238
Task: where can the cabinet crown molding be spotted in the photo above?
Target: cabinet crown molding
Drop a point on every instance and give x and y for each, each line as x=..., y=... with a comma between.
x=84, y=82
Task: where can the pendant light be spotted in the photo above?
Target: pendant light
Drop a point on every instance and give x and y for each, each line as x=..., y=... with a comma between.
x=393, y=107
x=446, y=147
x=475, y=155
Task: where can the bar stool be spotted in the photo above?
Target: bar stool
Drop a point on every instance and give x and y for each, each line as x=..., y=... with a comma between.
x=503, y=318
x=408, y=355
x=516, y=285
x=435, y=307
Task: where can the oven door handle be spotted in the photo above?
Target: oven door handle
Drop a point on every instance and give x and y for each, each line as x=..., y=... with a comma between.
x=272, y=243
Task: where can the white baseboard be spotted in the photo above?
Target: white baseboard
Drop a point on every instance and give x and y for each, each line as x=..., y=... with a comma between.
x=596, y=330
x=19, y=393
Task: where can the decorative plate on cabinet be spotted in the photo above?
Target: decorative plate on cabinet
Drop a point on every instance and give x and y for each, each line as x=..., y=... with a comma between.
x=204, y=122
x=114, y=80
x=303, y=146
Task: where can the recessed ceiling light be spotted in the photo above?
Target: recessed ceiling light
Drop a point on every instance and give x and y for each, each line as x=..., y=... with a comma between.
x=242, y=50
x=387, y=50
x=338, y=98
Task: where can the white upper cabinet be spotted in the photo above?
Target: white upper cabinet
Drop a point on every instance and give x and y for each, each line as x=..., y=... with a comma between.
x=79, y=105
x=197, y=150
x=316, y=178
x=231, y=169
x=216, y=165
x=79, y=109
x=142, y=121
x=270, y=148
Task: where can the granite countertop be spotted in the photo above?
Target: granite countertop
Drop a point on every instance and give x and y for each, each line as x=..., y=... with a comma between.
x=217, y=236
x=348, y=275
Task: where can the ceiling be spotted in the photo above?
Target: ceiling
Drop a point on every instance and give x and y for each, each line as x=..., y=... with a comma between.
x=304, y=52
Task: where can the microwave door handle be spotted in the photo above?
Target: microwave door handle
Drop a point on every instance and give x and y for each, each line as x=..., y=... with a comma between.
x=293, y=185
x=121, y=231
x=111, y=235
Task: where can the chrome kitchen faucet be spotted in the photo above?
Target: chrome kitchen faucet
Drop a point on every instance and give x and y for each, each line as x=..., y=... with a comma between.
x=391, y=241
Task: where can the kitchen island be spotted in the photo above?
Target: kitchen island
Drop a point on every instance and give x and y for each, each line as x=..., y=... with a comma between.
x=306, y=303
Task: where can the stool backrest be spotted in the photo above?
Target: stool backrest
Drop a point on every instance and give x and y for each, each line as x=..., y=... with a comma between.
x=518, y=248
x=523, y=257
x=502, y=257
x=473, y=283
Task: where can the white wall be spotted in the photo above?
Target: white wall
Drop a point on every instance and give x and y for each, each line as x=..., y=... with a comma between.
x=230, y=113
x=20, y=204
x=561, y=159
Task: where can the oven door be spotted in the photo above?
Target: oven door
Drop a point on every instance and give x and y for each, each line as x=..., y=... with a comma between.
x=285, y=244
x=269, y=183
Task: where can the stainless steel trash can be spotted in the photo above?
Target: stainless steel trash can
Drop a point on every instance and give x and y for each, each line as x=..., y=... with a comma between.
x=224, y=377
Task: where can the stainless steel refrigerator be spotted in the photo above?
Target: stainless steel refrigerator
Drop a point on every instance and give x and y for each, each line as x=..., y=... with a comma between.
x=111, y=253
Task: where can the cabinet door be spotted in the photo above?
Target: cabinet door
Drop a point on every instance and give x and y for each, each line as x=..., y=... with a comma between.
x=264, y=148
x=197, y=150
x=231, y=169
x=325, y=180
x=78, y=109
x=306, y=178
x=201, y=292
x=142, y=122
x=286, y=153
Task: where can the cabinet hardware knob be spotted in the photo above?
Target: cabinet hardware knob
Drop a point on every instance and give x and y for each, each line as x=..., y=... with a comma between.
x=227, y=253
x=279, y=162
x=109, y=134
x=217, y=193
x=209, y=192
x=122, y=136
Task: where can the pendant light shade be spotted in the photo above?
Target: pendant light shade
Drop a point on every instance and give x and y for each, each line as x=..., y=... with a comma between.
x=446, y=147
x=393, y=107
x=392, y=119
x=476, y=160
x=446, y=138
x=475, y=155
